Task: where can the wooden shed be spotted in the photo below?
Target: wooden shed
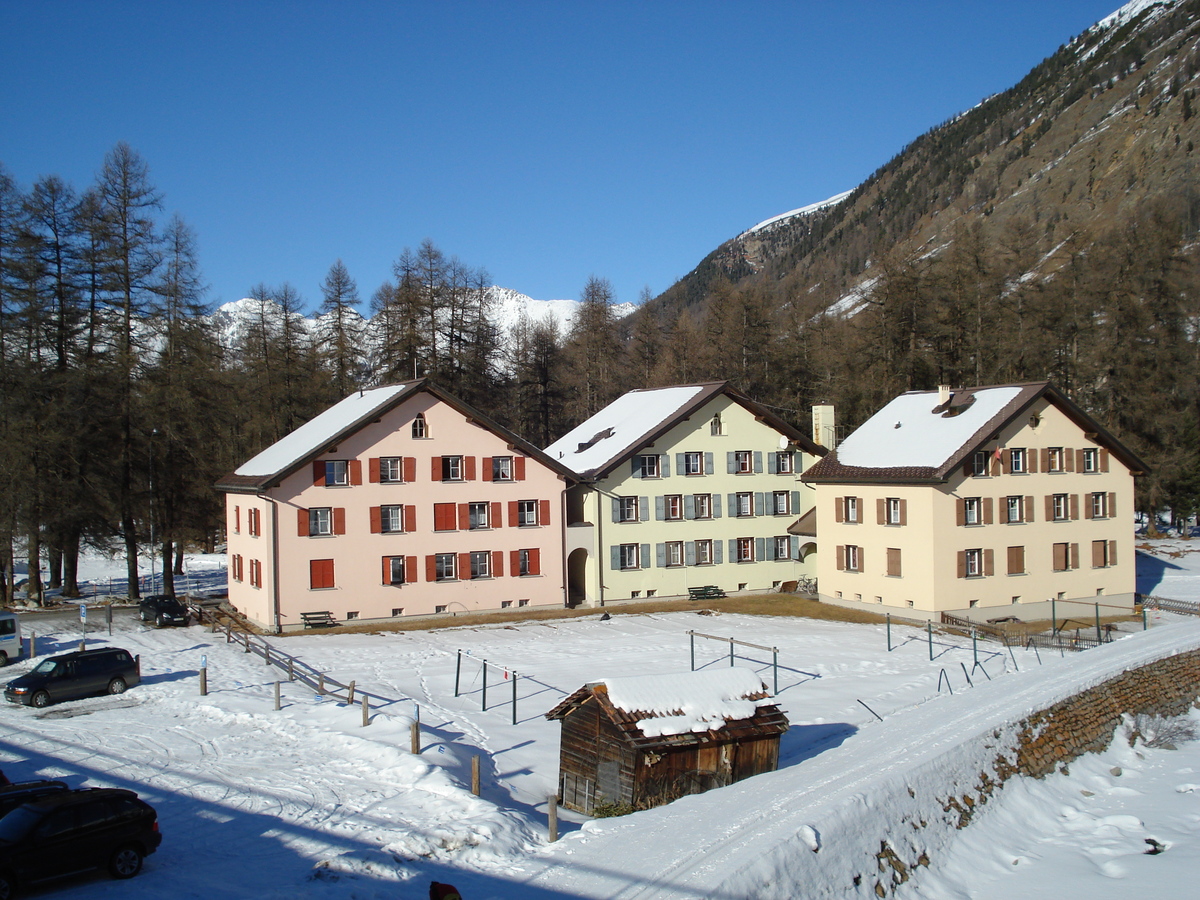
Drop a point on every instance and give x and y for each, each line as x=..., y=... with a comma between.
x=643, y=741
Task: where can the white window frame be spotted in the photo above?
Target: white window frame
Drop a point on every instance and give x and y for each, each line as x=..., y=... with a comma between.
x=630, y=557
x=850, y=509
x=452, y=468
x=783, y=462
x=674, y=554
x=1091, y=460
x=1017, y=461
x=523, y=562
x=852, y=558
x=419, y=426
x=391, y=470
x=1062, y=507
x=745, y=504
x=481, y=564
x=743, y=462
x=1014, y=509
x=629, y=509
x=397, y=563
x=649, y=463
x=673, y=507
x=781, y=503
x=502, y=468
x=337, y=473
x=705, y=501
x=979, y=464
x=974, y=563
x=1054, y=459
x=704, y=553
x=783, y=547
x=745, y=549
x=693, y=463
x=1099, y=505
x=972, y=511
x=891, y=511
x=320, y=521
x=527, y=512
x=445, y=567
x=391, y=519
x=479, y=513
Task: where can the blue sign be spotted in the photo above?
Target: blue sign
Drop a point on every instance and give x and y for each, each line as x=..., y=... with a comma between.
x=82, y=613
x=204, y=661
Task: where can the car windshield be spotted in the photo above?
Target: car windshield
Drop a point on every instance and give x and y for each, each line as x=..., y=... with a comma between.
x=45, y=667
x=18, y=823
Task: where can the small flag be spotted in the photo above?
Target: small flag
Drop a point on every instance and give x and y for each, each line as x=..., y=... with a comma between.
x=997, y=456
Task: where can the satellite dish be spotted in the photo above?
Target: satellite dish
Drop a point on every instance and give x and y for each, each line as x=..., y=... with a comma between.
x=783, y=442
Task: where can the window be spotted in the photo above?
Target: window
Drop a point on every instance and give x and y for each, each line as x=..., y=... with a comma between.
x=478, y=514
x=439, y=609
x=352, y=614
x=1103, y=554
x=1016, y=561
x=445, y=568
x=1099, y=505
x=979, y=463
x=1062, y=557
x=394, y=569
x=452, y=468
x=505, y=604
x=391, y=470
x=743, y=462
x=527, y=512
x=254, y=521
x=337, y=473
x=1054, y=459
x=781, y=503
x=524, y=602
x=892, y=511
x=418, y=426
x=783, y=462
x=704, y=553
x=703, y=506
x=320, y=574
x=693, y=464
x=397, y=610
x=1061, y=508
x=502, y=468
x=647, y=464
x=525, y=562
x=745, y=549
x=971, y=511
x=320, y=521
x=391, y=519
x=745, y=504
x=236, y=567
x=629, y=556
x=852, y=558
x=850, y=509
x=673, y=507
x=481, y=564
x=628, y=509
x=674, y=553
x=445, y=517
x=974, y=560
x=1014, y=510
x=714, y=426
x=1091, y=460
x=893, y=562
x=783, y=547
x=1016, y=461
x=256, y=579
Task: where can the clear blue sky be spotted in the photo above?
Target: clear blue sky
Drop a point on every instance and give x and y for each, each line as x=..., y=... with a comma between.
x=545, y=142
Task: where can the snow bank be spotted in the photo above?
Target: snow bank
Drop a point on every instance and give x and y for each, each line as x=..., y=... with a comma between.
x=689, y=701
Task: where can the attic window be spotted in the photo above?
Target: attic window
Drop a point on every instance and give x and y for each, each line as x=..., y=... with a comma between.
x=598, y=436
x=959, y=402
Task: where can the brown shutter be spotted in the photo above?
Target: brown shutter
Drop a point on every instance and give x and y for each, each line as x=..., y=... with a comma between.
x=410, y=469
x=519, y=468
x=960, y=511
x=356, y=471
x=1111, y=509
x=1103, y=460
x=387, y=570
x=237, y=520
x=881, y=511
x=497, y=563
x=1087, y=506
x=862, y=560
x=989, y=562
x=903, y=512
x=514, y=562
x=1074, y=556
x=543, y=512
x=1078, y=460
x=1069, y=459
x=464, y=517
x=1028, y=517
x=1098, y=551
x=969, y=466
x=469, y=467
x=318, y=474
x=1112, y=553
x=373, y=469
x=339, y=520
x=410, y=518
x=1031, y=461
x=839, y=510
x=1006, y=461
x=1074, y=506
x=987, y=510
x=435, y=470
x=487, y=468
x=535, y=561
x=893, y=561
x=1045, y=452
x=841, y=558
x=1049, y=507
x=431, y=568
x=464, y=566
x=858, y=509
x=513, y=514
x=1016, y=560
x=496, y=516
x=962, y=563
x=996, y=466
x=302, y=522
x=376, y=520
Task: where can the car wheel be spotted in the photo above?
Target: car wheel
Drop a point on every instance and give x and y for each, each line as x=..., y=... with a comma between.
x=3, y=659
x=40, y=700
x=7, y=886
x=162, y=620
x=142, y=616
x=117, y=686
x=125, y=862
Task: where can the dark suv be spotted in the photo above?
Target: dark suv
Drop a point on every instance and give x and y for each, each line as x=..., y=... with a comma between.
x=76, y=831
x=14, y=795
x=79, y=674
x=162, y=610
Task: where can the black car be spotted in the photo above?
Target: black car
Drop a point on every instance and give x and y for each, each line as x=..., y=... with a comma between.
x=162, y=610
x=82, y=673
x=76, y=831
x=14, y=795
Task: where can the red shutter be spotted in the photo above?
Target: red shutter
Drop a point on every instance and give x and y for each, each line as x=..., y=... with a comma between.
x=410, y=569
x=387, y=570
x=237, y=520
x=514, y=561
x=431, y=568
x=464, y=516
x=464, y=566
x=841, y=558
x=302, y=522
x=339, y=520
x=318, y=474
x=839, y=515
x=544, y=512
x=519, y=468
x=410, y=518
x=1103, y=460
x=497, y=563
x=514, y=514
x=469, y=468
x=376, y=520
x=373, y=469
x=535, y=561
x=989, y=562
x=356, y=471
x=903, y=512
x=487, y=468
x=410, y=469
x=962, y=563
x=496, y=517
x=435, y=471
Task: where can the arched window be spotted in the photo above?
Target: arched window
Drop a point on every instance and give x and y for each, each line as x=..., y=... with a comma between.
x=716, y=424
x=418, y=428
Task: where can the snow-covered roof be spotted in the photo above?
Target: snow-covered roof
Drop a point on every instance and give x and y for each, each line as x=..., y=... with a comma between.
x=688, y=701
x=319, y=431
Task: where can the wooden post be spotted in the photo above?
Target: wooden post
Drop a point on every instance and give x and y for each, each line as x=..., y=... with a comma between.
x=267, y=655
x=33, y=640
x=775, y=666
x=414, y=738
x=1098, y=640
x=291, y=669
x=247, y=637
x=731, y=652
x=457, y=670
x=350, y=695
x=552, y=803
x=204, y=681
x=321, y=684
x=475, y=775
x=366, y=705
x=277, y=694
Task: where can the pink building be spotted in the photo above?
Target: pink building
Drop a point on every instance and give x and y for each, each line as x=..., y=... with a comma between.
x=397, y=501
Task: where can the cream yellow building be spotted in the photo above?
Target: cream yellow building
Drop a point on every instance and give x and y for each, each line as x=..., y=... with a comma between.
x=982, y=502
x=683, y=487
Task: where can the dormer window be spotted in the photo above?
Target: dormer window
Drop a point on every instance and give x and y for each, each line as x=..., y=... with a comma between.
x=715, y=426
x=418, y=426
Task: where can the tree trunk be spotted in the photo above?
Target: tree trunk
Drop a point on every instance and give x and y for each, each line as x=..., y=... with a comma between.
x=70, y=562
x=33, y=587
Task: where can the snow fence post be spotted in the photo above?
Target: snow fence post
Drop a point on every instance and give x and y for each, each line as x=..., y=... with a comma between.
x=1098, y=623
x=291, y=669
x=350, y=694
x=552, y=804
x=457, y=670
x=514, y=681
x=692, y=635
x=366, y=706
x=1145, y=625
x=889, y=632
x=276, y=694
x=1053, y=618
x=775, y=666
x=414, y=737
x=484, y=704
x=475, y=774
x=731, y=652
x=929, y=631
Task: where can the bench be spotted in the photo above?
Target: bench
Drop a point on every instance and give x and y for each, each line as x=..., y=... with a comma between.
x=705, y=592
x=322, y=619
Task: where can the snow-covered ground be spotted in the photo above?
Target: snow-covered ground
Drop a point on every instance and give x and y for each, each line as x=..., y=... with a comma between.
x=306, y=801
